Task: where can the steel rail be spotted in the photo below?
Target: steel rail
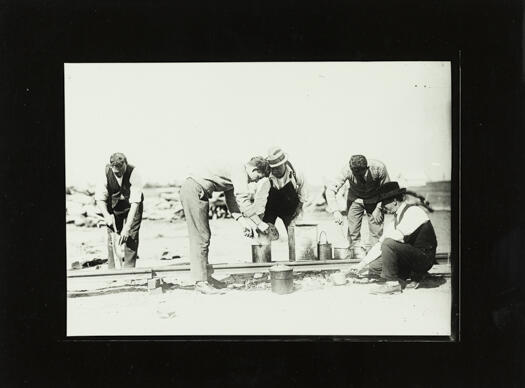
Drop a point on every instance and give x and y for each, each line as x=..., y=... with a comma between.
x=150, y=272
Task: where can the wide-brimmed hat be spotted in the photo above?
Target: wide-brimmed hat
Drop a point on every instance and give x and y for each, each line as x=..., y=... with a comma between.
x=390, y=190
x=276, y=157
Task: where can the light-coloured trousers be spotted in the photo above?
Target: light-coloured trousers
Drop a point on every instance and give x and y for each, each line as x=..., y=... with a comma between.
x=355, y=219
x=196, y=207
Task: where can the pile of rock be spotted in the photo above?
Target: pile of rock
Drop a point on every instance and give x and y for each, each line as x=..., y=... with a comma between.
x=80, y=207
x=162, y=204
x=166, y=206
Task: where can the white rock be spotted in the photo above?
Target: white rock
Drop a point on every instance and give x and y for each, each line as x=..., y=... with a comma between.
x=81, y=198
x=74, y=209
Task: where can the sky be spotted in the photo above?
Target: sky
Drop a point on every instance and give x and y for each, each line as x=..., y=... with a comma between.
x=169, y=118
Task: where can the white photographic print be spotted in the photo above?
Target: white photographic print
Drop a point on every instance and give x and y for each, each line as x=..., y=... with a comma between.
x=258, y=199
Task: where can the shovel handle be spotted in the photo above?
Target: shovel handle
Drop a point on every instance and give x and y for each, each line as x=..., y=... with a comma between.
x=115, y=242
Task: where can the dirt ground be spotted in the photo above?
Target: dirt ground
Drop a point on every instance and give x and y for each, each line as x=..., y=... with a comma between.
x=314, y=308
x=318, y=310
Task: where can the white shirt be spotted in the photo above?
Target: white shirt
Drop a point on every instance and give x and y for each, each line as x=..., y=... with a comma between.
x=136, y=187
x=233, y=180
x=413, y=218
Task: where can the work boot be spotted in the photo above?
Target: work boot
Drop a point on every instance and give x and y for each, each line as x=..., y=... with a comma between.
x=412, y=284
x=416, y=279
x=207, y=288
x=389, y=287
x=216, y=283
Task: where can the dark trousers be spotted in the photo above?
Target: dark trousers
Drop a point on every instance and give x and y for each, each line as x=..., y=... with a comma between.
x=196, y=207
x=132, y=243
x=281, y=203
x=400, y=261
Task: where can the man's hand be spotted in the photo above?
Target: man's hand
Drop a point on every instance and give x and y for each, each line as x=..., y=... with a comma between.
x=108, y=219
x=124, y=234
x=360, y=267
x=377, y=215
x=338, y=217
x=263, y=227
x=359, y=201
x=248, y=226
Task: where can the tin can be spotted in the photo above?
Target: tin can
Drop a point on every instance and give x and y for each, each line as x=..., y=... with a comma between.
x=261, y=253
x=324, y=250
x=302, y=242
x=281, y=277
x=343, y=253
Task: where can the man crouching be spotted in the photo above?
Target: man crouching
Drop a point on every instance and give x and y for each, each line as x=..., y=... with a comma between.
x=408, y=251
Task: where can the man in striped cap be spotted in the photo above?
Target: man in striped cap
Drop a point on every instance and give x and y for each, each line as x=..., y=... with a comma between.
x=365, y=178
x=287, y=193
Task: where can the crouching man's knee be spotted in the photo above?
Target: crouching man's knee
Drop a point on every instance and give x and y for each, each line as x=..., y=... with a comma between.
x=388, y=243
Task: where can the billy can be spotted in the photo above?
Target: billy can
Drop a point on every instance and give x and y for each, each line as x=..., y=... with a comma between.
x=324, y=250
x=302, y=241
x=343, y=253
x=261, y=253
x=281, y=277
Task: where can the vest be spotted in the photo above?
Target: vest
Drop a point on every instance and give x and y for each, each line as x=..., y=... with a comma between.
x=115, y=191
x=423, y=238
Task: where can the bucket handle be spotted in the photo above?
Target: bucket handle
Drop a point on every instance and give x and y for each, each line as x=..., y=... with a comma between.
x=325, y=237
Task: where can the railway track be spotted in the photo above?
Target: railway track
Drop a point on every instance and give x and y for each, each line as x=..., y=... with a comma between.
x=223, y=268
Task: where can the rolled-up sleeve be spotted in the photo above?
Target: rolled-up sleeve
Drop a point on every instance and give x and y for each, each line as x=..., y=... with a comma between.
x=231, y=202
x=136, y=187
x=302, y=192
x=335, y=185
x=242, y=192
x=383, y=175
x=261, y=196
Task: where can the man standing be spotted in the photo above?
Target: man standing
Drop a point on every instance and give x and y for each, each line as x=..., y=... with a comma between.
x=195, y=193
x=409, y=250
x=120, y=199
x=365, y=179
x=287, y=193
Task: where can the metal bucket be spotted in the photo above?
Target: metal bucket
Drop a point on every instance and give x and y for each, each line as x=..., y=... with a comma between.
x=281, y=277
x=302, y=242
x=324, y=250
x=261, y=253
x=343, y=253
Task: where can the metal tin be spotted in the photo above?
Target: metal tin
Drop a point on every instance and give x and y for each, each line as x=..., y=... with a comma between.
x=324, y=250
x=281, y=277
x=343, y=253
x=261, y=253
x=302, y=242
